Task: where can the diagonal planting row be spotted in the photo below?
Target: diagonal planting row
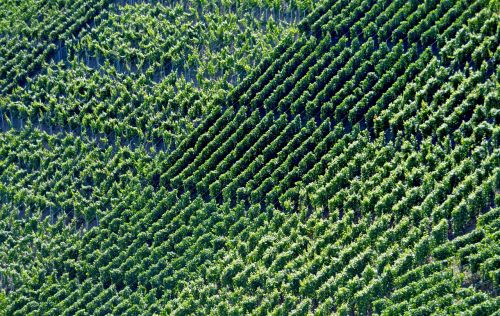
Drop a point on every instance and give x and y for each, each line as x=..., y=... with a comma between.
x=150, y=89
x=22, y=58
x=330, y=201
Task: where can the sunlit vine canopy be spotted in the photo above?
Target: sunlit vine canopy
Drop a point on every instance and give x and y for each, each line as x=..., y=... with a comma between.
x=249, y=157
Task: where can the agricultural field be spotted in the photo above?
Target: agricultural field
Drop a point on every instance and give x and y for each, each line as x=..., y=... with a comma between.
x=286, y=157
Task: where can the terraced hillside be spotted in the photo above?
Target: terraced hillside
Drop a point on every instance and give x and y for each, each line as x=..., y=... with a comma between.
x=353, y=170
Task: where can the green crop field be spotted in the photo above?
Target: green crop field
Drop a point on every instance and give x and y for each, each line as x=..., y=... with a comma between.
x=217, y=157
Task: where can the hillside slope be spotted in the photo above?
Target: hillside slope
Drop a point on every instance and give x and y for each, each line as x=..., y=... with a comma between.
x=354, y=171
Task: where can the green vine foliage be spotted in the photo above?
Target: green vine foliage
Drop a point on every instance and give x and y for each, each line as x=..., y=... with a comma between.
x=249, y=157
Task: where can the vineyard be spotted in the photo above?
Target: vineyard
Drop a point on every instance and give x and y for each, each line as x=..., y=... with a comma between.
x=287, y=157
